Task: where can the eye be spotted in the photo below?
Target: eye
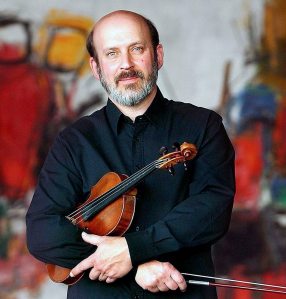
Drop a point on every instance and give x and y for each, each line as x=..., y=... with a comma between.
x=111, y=54
x=137, y=49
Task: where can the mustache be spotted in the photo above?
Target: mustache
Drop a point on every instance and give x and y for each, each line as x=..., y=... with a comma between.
x=127, y=74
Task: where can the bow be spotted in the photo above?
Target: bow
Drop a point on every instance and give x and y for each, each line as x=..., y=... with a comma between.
x=233, y=283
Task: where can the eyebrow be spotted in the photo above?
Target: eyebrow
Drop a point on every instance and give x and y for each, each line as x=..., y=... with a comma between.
x=131, y=45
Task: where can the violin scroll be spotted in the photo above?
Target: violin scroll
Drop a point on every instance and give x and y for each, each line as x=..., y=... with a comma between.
x=188, y=150
x=185, y=152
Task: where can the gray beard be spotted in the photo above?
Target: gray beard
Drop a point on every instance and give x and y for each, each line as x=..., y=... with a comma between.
x=132, y=95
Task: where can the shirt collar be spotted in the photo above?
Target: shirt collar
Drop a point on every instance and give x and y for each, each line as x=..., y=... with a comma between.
x=154, y=113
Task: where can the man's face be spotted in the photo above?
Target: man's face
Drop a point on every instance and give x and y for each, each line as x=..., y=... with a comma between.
x=127, y=65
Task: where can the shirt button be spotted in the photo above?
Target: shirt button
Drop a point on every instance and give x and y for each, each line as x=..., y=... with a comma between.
x=137, y=228
x=136, y=297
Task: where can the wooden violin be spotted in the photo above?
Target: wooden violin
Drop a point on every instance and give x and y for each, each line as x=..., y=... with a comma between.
x=110, y=207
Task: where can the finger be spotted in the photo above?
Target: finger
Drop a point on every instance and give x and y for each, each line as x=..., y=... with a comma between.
x=81, y=267
x=110, y=279
x=163, y=287
x=102, y=277
x=153, y=289
x=92, y=239
x=171, y=284
x=94, y=274
x=179, y=279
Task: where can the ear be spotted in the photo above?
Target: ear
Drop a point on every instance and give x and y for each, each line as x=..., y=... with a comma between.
x=93, y=66
x=160, y=55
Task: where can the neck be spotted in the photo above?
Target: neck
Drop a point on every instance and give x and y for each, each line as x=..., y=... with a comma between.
x=134, y=111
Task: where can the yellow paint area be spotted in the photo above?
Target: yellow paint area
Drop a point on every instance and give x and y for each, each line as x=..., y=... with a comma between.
x=62, y=38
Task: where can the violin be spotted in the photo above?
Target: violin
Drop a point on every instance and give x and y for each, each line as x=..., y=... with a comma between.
x=110, y=207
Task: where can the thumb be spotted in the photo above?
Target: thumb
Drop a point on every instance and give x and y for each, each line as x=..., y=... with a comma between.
x=92, y=239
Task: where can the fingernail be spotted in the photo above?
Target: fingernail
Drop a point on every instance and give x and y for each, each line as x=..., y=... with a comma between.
x=71, y=274
x=84, y=234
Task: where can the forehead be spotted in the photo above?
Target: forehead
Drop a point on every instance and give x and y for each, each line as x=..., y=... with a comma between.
x=120, y=31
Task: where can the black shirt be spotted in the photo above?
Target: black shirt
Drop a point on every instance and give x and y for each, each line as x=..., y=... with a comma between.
x=177, y=218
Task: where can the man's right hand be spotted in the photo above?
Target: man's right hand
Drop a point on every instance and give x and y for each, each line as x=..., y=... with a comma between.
x=156, y=276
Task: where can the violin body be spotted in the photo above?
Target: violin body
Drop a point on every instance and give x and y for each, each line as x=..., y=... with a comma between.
x=114, y=220
x=61, y=274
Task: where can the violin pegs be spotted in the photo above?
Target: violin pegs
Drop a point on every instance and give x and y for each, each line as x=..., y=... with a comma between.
x=171, y=170
x=163, y=150
x=176, y=146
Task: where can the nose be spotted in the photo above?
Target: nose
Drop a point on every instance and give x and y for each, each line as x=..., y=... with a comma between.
x=126, y=61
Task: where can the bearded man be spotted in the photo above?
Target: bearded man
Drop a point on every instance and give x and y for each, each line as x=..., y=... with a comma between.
x=177, y=218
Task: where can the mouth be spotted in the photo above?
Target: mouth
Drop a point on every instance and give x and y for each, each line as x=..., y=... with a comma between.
x=129, y=77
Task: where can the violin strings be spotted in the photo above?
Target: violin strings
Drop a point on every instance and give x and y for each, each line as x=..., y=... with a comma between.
x=74, y=216
x=120, y=187
x=155, y=163
x=86, y=205
x=95, y=203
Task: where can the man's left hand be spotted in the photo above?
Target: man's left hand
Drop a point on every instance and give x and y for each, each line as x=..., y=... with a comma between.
x=110, y=261
x=156, y=276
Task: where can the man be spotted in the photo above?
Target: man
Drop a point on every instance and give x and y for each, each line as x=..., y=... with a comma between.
x=177, y=218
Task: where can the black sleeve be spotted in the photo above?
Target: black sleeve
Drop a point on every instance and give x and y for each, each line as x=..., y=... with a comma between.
x=204, y=216
x=51, y=238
